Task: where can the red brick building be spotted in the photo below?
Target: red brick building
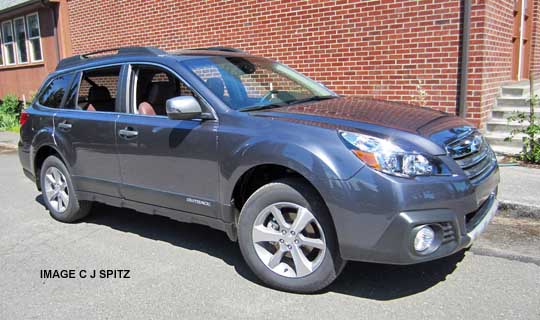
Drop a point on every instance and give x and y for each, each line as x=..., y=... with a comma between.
x=388, y=49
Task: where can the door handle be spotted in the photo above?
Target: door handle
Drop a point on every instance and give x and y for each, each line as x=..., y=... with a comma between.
x=64, y=125
x=128, y=133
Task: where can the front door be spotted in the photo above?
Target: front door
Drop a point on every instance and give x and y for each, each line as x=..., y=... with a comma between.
x=522, y=39
x=166, y=163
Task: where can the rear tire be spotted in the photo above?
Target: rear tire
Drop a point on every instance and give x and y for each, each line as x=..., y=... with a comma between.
x=58, y=192
x=287, y=237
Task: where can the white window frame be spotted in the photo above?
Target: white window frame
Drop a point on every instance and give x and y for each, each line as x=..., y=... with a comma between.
x=1, y=50
x=31, y=58
x=15, y=37
x=4, y=44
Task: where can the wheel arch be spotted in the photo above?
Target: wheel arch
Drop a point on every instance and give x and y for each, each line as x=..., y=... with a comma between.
x=42, y=153
x=258, y=175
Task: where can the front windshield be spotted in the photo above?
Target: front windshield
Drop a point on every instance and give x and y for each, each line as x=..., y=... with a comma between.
x=246, y=83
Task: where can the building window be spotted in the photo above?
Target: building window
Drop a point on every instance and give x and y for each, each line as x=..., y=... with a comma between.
x=34, y=37
x=8, y=43
x=20, y=39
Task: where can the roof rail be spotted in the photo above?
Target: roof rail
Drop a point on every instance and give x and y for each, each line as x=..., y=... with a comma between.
x=226, y=49
x=74, y=60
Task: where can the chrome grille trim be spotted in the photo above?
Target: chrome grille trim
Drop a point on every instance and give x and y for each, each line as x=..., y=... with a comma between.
x=473, y=154
x=468, y=162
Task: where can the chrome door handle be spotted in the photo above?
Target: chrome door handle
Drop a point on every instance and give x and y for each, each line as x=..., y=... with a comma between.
x=128, y=133
x=64, y=125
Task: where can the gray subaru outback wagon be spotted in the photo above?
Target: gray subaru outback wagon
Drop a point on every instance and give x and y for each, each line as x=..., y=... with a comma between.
x=304, y=179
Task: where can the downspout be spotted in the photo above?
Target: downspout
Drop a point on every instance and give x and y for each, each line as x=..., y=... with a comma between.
x=463, y=71
x=47, y=4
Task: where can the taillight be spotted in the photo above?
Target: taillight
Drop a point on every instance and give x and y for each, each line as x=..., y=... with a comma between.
x=24, y=116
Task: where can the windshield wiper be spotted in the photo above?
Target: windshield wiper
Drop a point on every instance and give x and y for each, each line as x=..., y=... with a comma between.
x=263, y=107
x=314, y=98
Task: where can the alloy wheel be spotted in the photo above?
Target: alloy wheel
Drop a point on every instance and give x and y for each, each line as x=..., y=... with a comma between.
x=289, y=240
x=56, y=189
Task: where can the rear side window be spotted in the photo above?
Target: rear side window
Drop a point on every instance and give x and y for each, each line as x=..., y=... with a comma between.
x=95, y=90
x=53, y=94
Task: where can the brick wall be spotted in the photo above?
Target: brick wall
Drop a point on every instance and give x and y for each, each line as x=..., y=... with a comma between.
x=389, y=49
x=490, y=55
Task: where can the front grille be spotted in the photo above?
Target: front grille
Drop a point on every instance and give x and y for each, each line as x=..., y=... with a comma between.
x=473, y=154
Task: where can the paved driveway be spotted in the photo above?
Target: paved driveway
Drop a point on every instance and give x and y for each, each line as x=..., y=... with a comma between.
x=187, y=271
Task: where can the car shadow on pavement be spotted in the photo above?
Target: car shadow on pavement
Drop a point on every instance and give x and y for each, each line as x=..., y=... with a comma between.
x=388, y=282
x=365, y=280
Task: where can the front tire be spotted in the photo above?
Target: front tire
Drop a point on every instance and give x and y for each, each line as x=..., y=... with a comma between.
x=58, y=192
x=287, y=237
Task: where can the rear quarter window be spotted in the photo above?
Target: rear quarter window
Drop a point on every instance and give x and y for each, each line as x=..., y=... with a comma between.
x=54, y=92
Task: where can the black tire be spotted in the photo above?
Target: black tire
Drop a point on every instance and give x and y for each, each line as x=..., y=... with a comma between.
x=75, y=210
x=300, y=193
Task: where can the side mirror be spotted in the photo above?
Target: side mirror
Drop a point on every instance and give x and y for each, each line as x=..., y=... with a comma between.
x=183, y=108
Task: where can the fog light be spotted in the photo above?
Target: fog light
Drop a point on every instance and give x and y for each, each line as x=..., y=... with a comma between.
x=424, y=239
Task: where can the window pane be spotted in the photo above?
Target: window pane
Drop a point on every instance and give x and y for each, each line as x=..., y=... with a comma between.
x=7, y=37
x=98, y=88
x=20, y=36
x=1, y=50
x=35, y=49
x=71, y=100
x=10, y=53
x=153, y=87
x=7, y=32
x=33, y=26
x=256, y=82
x=52, y=95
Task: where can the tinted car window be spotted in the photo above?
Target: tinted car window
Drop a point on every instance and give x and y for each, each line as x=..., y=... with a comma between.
x=54, y=93
x=95, y=90
x=152, y=86
x=71, y=100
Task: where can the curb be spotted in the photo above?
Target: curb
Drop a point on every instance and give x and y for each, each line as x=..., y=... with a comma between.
x=518, y=210
x=8, y=146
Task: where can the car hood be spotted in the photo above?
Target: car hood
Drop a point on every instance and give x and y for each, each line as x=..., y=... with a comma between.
x=383, y=118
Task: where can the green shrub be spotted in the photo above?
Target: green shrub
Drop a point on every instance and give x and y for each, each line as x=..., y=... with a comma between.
x=530, y=127
x=11, y=105
x=8, y=122
x=10, y=110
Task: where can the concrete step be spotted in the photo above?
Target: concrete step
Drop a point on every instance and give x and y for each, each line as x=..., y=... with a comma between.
x=515, y=91
x=512, y=102
x=497, y=139
x=502, y=125
x=506, y=150
x=505, y=112
x=519, y=89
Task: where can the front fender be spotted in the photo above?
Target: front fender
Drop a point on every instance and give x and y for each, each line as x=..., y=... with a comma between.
x=319, y=166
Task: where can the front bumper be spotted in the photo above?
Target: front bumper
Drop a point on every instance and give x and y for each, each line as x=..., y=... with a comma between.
x=396, y=245
x=375, y=214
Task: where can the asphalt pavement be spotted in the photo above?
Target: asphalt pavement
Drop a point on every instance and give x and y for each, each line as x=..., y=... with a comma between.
x=184, y=271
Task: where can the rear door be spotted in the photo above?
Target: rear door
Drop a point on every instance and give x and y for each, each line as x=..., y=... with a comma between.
x=85, y=127
x=164, y=162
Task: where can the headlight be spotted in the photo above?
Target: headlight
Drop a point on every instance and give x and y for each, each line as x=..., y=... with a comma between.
x=387, y=157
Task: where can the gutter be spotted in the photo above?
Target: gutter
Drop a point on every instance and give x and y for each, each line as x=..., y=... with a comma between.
x=464, y=67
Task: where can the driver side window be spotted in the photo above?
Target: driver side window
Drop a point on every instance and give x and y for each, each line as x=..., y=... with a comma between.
x=151, y=87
